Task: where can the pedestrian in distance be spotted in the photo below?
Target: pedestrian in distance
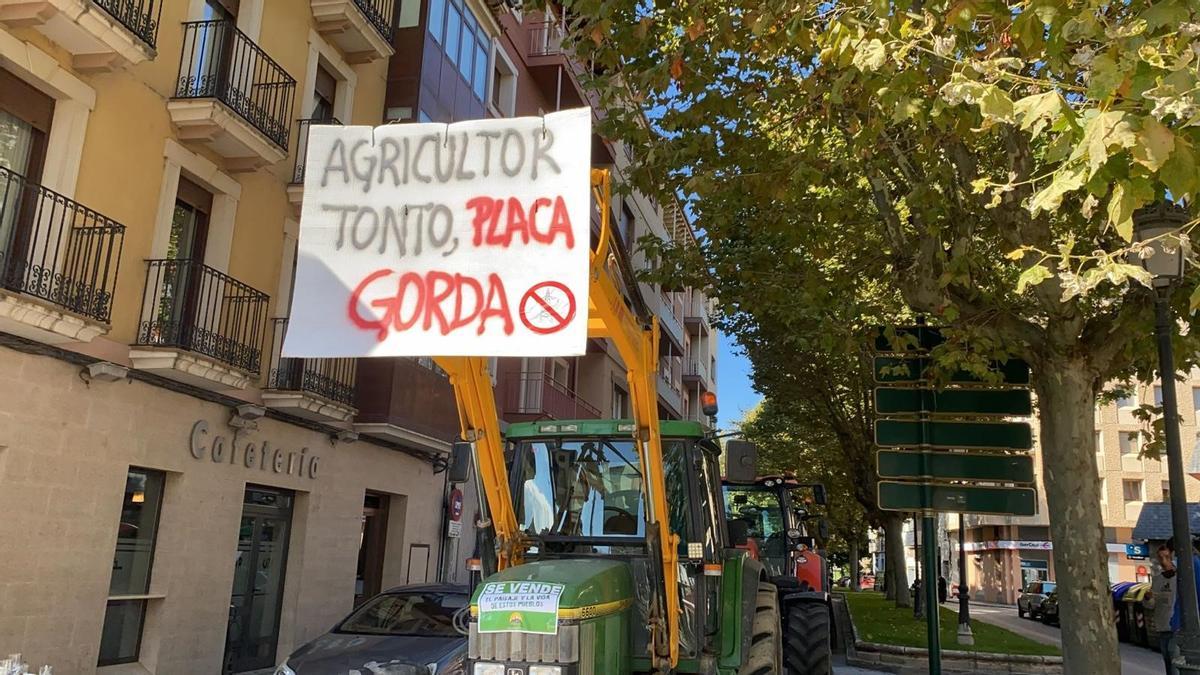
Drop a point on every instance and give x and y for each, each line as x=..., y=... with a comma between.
x=1164, y=589
x=941, y=589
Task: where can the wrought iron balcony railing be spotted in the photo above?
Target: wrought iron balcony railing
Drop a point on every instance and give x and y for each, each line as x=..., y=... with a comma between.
x=302, y=145
x=546, y=37
x=332, y=379
x=141, y=17
x=191, y=306
x=219, y=61
x=55, y=249
x=381, y=14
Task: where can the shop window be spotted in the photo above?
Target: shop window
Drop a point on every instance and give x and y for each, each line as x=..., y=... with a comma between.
x=129, y=587
x=1132, y=490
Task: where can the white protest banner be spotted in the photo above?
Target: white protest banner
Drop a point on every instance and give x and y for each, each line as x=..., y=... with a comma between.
x=467, y=239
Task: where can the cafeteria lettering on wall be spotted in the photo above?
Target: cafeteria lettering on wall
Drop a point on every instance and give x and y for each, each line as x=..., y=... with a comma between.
x=261, y=456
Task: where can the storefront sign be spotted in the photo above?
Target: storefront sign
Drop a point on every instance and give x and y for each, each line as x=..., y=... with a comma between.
x=1137, y=551
x=465, y=239
x=1005, y=545
x=519, y=607
x=261, y=456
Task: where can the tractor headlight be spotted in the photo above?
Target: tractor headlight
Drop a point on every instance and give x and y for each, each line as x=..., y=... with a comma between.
x=545, y=670
x=489, y=669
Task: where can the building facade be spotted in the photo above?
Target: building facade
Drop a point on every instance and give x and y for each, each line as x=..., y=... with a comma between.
x=177, y=497
x=1005, y=554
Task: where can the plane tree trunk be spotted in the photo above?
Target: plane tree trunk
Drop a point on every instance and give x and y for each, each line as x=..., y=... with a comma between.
x=894, y=562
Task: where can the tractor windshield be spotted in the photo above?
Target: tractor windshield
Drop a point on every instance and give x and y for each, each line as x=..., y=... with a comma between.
x=760, y=509
x=587, y=488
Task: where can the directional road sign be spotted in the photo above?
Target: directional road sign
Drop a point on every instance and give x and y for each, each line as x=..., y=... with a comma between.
x=899, y=401
x=953, y=435
x=899, y=369
x=940, y=464
x=1014, y=501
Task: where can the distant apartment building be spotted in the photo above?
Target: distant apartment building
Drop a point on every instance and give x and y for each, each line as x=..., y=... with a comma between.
x=1005, y=554
x=177, y=497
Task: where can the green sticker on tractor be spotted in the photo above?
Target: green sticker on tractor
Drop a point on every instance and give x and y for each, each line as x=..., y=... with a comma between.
x=519, y=607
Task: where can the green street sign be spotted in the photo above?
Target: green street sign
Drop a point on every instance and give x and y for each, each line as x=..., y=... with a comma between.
x=907, y=338
x=955, y=466
x=899, y=401
x=953, y=435
x=1007, y=501
x=914, y=369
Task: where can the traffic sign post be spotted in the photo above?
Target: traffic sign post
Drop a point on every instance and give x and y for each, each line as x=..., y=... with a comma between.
x=944, y=442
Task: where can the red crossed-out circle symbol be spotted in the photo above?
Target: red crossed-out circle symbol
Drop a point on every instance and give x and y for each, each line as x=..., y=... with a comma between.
x=547, y=307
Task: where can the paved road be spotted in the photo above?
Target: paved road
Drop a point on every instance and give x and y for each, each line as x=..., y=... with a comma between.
x=840, y=668
x=1134, y=660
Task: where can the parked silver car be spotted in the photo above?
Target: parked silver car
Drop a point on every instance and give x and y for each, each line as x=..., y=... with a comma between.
x=1030, y=602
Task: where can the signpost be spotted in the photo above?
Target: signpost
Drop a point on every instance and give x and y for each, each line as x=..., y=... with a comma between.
x=946, y=445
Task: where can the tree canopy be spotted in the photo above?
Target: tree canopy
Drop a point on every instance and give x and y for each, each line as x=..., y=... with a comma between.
x=980, y=161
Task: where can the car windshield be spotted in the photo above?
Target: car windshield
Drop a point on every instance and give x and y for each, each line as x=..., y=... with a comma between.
x=430, y=614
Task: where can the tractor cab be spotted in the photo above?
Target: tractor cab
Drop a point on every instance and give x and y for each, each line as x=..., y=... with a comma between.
x=579, y=501
x=779, y=515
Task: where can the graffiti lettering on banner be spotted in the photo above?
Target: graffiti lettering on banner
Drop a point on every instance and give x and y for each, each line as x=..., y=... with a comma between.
x=466, y=239
x=519, y=607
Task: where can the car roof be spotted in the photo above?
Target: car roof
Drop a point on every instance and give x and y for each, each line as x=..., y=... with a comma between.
x=429, y=588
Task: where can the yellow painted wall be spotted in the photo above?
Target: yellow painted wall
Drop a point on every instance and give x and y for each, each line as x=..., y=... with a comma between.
x=122, y=165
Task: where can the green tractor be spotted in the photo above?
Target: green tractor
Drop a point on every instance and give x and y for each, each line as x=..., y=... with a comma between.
x=582, y=600
x=775, y=513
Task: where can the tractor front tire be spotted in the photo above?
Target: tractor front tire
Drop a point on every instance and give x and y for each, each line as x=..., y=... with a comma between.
x=806, y=646
x=766, y=645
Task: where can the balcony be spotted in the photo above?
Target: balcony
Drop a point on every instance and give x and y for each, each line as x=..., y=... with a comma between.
x=231, y=96
x=697, y=373
x=670, y=330
x=315, y=389
x=199, y=326
x=552, y=66
x=295, y=190
x=406, y=402
x=121, y=33
x=526, y=397
x=362, y=29
x=58, y=264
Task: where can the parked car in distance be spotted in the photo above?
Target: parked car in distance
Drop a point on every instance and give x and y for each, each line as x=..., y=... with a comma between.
x=1030, y=602
x=866, y=582
x=409, y=630
x=1049, y=609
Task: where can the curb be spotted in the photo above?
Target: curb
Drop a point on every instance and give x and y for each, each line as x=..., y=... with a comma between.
x=899, y=659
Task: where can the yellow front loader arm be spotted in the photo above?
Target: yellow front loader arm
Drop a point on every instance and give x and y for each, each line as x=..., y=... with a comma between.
x=636, y=341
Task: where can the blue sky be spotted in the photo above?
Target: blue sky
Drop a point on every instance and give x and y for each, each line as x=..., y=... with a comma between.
x=735, y=396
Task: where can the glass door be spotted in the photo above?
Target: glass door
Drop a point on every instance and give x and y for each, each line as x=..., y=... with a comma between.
x=259, y=566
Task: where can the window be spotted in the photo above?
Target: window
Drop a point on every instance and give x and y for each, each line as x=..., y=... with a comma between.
x=1103, y=491
x=120, y=640
x=324, y=94
x=620, y=403
x=1132, y=490
x=1099, y=450
x=627, y=226
x=1127, y=401
x=1129, y=444
x=1196, y=401
x=559, y=371
x=1166, y=491
x=25, y=115
x=454, y=26
x=504, y=83
x=1158, y=393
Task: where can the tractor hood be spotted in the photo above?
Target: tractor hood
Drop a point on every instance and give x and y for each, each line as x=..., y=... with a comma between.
x=590, y=587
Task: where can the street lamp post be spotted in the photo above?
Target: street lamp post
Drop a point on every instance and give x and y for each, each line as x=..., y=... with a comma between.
x=1156, y=227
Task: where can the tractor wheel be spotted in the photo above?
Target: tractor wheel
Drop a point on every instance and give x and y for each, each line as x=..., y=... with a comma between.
x=766, y=645
x=806, y=647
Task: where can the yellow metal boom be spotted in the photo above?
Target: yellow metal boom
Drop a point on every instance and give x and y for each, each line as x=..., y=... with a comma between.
x=637, y=343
